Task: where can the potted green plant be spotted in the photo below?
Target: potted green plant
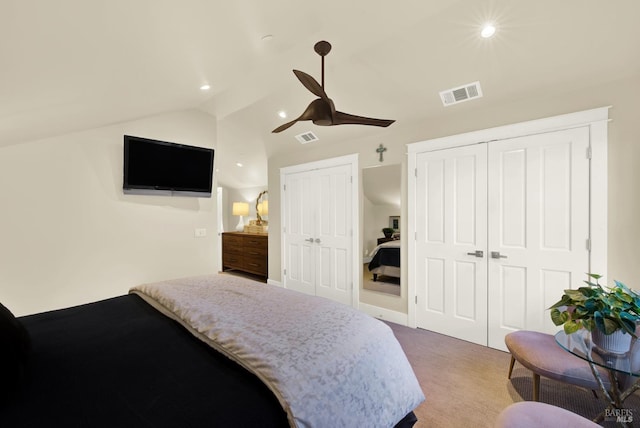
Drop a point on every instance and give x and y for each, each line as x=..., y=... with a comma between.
x=388, y=232
x=607, y=313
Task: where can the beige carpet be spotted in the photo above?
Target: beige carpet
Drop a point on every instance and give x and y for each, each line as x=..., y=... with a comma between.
x=466, y=385
x=384, y=284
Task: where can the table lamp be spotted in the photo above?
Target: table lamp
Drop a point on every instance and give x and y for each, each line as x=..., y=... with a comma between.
x=240, y=209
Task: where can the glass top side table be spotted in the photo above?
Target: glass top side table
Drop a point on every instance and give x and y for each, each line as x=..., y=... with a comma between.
x=623, y=369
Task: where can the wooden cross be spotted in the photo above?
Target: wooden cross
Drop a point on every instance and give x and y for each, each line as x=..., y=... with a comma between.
x=381, y=150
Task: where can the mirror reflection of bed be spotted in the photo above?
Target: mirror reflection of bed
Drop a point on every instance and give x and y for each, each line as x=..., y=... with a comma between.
x=382, y=272
x=381, y=187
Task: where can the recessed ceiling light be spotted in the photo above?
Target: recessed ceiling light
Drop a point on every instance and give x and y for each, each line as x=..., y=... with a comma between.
x=239, y=164
x=205, y=87
x=488, y=30
x=282, y=114
x=267, y=38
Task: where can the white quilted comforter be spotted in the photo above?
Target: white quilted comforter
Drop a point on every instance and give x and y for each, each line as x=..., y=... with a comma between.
x=329, y=365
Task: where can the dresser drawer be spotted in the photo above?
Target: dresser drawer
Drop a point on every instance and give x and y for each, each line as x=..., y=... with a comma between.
x=254, y=252
x=234, y=261
x=255, y=242
x=232, y=241
x=232, y=249
x=257, y=265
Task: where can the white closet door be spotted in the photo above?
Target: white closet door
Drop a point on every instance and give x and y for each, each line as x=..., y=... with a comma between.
x=451, y=225
x=538, y=225
x=318, y=232
x=333, y=233
x=299, y=232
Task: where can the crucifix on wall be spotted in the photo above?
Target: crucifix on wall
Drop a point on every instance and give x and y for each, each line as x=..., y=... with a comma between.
x=380, y=150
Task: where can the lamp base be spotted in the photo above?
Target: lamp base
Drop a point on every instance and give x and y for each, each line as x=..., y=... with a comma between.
x=240, y=226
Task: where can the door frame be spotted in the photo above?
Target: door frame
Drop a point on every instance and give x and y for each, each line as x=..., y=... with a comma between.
x=352, y=161
x=596, y=119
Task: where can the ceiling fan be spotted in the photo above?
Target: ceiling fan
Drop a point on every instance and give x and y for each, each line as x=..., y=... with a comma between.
x=322, y=111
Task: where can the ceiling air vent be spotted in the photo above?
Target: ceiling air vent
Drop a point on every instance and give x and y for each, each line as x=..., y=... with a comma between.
x=462, y=93
x=307, y=137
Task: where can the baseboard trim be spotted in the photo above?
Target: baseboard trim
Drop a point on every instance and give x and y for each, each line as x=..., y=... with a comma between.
x=385, y=314
x=374, y=311
x=274, y=282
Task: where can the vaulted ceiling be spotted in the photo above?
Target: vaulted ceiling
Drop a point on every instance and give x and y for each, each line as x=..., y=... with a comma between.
x=70, y=65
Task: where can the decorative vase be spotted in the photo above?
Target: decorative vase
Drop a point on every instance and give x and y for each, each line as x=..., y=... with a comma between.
x=617, y=342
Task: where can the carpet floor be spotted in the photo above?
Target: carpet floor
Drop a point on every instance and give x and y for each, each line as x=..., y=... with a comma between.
x=466, y=384
x=384, y=284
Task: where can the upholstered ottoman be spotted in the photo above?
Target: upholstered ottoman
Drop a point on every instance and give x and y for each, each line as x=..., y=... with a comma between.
x=529, y=414
x=540, y=353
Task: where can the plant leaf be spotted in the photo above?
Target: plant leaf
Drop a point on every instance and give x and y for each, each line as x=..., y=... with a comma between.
x=604, y=324
x=572, y=326
x=562, y=302
x=558, y=317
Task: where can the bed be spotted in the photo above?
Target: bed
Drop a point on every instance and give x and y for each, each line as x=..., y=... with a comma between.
x=385, y=260
x=210, y=351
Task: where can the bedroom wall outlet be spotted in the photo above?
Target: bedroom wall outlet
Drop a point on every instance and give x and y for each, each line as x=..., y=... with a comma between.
x=200, y=233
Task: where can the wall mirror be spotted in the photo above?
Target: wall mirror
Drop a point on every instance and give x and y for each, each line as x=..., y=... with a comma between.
x=381, y=208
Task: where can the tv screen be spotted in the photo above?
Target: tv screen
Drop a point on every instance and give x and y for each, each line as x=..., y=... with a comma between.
x=153, y=167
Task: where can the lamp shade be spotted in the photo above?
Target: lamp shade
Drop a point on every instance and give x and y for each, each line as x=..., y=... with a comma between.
x=265, y=208
x=240, y=208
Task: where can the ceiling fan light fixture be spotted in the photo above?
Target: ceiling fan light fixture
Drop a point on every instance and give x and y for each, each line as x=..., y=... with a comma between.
x=282, y=114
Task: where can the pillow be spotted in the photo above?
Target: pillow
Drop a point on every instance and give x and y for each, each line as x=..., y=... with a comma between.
x=14, y=352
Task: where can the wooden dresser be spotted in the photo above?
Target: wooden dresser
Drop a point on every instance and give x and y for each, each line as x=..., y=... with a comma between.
x=246, y=252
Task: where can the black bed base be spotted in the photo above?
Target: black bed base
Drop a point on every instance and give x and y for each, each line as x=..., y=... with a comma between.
x=120, y=363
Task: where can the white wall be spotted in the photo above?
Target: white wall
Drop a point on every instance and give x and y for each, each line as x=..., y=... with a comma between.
x=370, y=231
x=624, y=154
x=68, y=234
x=382, y=214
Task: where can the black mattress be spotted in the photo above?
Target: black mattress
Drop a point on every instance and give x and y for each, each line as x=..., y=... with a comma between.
x=121, y=363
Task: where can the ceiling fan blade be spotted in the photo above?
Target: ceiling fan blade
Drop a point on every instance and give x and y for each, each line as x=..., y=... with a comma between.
x=340, y=118
x=319, y=111
x=285, y=126
x=311, y=84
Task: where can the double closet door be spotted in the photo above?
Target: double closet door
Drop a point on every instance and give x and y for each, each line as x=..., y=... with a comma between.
x=317, y=233
x=502, y=228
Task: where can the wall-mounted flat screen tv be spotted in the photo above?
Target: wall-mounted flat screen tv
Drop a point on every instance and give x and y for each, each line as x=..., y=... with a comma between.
x=153, y=167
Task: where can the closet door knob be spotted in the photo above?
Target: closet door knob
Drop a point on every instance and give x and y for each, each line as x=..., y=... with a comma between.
x=497, y=255
x=477, y=253
x=309, y=240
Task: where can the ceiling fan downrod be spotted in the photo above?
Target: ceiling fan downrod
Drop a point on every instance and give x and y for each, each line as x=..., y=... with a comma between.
x=322, y=48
